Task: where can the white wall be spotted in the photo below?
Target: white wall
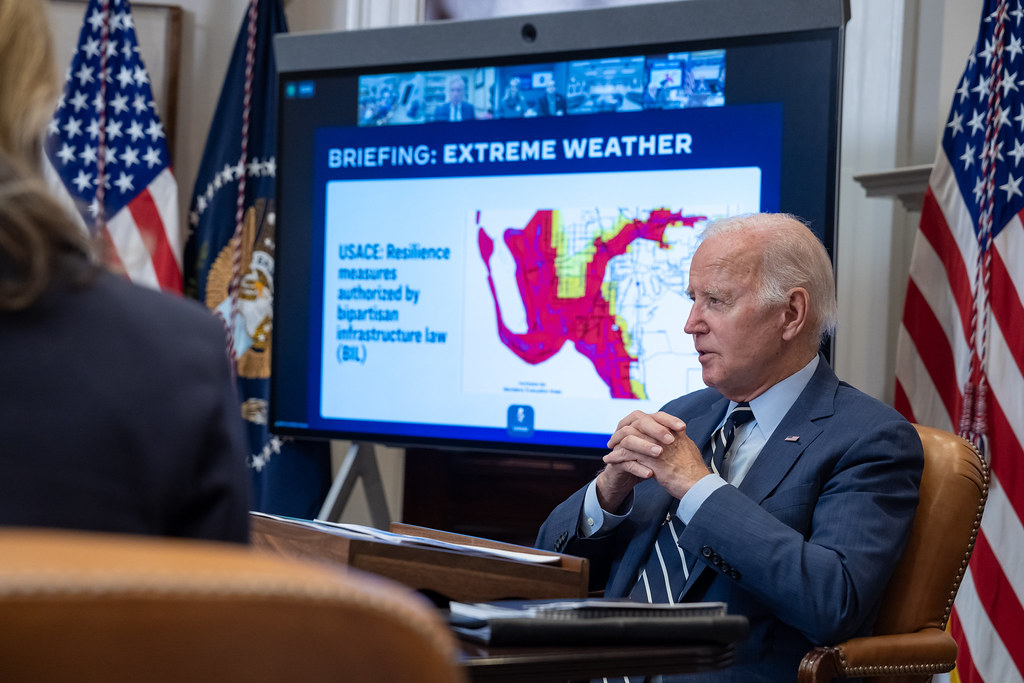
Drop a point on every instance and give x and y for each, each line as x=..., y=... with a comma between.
x=870, y=126
x=903, y=60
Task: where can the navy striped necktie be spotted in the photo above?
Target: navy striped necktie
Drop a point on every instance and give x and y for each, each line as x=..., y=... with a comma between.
x=665, y=573
x=721, y=442
x=667, y=567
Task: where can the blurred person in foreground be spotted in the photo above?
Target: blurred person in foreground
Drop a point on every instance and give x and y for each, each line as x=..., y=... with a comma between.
x=798, y=517
x=120, y=412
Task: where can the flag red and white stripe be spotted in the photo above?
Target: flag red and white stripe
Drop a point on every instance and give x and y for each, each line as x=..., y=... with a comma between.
x=108, y=151
x=960, y=357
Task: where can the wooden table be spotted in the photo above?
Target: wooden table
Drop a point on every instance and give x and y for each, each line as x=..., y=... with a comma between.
x=457, y=575
x=470, y=578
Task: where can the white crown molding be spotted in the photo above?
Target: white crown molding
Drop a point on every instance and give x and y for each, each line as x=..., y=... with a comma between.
x=908, y=184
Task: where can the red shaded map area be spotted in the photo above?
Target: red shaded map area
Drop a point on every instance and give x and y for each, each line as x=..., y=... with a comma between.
x=587, y=320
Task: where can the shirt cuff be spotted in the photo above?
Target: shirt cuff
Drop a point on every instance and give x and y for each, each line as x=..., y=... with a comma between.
x=696, y=496
x=594, y=518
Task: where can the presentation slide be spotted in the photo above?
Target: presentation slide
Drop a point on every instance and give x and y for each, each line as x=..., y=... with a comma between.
x=498, y=299
x=566, y=297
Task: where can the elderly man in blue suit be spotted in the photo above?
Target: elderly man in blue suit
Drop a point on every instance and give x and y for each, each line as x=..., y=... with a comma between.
x=797, y=513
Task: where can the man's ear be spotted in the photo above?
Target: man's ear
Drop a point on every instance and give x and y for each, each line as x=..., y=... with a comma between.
x=795, y=313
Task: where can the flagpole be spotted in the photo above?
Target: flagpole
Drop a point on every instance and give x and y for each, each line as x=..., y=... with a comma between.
x=108, y=152
x=243, y=160
x=101, y=143
x=973, y=416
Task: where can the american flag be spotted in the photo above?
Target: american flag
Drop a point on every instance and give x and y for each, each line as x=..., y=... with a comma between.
x=960, y=359
x=108, y=147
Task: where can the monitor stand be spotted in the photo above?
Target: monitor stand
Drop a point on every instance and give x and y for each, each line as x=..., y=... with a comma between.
x=360, y=461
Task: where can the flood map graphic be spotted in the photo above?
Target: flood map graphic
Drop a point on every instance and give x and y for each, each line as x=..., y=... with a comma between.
x=609, y=282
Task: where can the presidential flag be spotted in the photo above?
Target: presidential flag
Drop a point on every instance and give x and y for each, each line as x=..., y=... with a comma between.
x=960, y=359
x=229, y=259
x=107, y=147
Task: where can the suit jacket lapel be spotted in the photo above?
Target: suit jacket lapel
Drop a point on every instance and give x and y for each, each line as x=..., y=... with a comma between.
x=816, y=401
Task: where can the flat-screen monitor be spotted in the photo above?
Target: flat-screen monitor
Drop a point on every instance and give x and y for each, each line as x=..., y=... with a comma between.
x=484, y=228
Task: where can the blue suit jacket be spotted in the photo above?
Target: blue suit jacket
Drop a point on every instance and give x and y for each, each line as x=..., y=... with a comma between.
x=444, y=112
x=806, y=544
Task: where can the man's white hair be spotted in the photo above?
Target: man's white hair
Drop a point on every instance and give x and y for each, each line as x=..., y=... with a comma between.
x=791, y=256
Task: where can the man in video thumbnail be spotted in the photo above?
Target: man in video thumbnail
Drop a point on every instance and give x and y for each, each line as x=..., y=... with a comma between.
x=552, y=103
x=455, y=108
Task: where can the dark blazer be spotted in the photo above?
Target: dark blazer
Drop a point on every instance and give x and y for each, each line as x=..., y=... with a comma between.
x=120, y=414
x=806, y=544
x=544, y=107
x=444, y=111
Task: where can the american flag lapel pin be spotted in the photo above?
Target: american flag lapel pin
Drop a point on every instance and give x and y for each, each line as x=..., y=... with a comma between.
x=793, y=439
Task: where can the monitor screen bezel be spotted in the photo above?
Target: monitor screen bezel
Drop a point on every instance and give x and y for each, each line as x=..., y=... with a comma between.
x=645, y=29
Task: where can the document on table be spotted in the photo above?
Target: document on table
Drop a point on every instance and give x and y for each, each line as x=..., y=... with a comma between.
x=361, y=531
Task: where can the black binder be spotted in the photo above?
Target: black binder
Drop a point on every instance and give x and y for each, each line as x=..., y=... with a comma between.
x=595, y=622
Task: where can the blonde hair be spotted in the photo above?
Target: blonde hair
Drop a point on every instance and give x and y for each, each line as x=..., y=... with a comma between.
x=29, y=82
x=36, y=231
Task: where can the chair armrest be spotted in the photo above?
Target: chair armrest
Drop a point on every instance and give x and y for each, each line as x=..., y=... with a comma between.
x=928, y=651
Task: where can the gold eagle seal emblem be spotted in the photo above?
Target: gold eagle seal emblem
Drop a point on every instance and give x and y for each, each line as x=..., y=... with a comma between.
x=251, y=319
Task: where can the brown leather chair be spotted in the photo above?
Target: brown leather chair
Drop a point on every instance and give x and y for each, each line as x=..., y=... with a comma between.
x=100, y=607
x=910, y=641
